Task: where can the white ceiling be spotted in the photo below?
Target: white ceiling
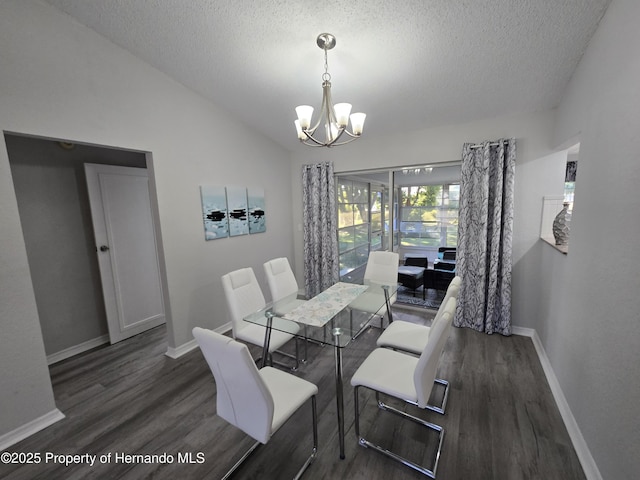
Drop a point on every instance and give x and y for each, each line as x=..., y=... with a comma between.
x=408, y=64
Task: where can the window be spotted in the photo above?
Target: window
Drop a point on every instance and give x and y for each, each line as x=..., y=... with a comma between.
x=570, y=182
x=429, y=215
x=353, y=224
x=553, y=205
x=363, y=213
x=377, y=216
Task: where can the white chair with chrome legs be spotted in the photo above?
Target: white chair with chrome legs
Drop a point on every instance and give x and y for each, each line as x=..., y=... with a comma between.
x=258, y=402
x=282, y=282
x=284, y=288
x=407, y=378
x=413, y=338
x=382, y=269
x=244, y=296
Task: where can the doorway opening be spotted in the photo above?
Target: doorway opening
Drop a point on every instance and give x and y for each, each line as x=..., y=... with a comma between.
x=55, y=213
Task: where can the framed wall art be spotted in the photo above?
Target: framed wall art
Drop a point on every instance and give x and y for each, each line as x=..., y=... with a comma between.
x=214, y=212
x=232, y=211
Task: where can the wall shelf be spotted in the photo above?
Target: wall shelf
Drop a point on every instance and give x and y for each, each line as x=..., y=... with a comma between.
x=551, y=241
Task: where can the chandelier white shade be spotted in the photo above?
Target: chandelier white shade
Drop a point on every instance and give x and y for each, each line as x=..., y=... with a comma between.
x=334, y=119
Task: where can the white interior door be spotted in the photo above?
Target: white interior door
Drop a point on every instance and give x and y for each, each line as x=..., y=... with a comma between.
x=126, y=248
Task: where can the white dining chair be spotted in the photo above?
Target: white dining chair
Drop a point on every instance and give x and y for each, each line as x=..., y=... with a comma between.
x=283, y=287
x=258, y=402
x=412, y=338
x=381, y=269
x=244, y=296
x=406, y=378
x=282, y=282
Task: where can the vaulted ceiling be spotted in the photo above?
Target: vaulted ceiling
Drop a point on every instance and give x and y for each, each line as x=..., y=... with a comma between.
x=407, y=64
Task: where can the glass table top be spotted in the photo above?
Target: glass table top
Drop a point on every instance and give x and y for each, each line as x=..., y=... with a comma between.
x=332, y=317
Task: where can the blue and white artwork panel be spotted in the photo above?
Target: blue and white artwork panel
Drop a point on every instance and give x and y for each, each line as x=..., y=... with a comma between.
x=257, y=215
x=214, y=212
x=237, y=211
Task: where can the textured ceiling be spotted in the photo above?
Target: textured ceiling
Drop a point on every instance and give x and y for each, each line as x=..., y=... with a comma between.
x=407, y=64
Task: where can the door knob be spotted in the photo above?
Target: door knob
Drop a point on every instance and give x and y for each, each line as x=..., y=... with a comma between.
x=104, y=248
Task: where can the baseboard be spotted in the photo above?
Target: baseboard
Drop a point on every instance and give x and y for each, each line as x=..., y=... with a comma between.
x=522, y=331
x=589, y=465
x=181, y=350
x=77, y=349
x=30, y=428
x=185, y=348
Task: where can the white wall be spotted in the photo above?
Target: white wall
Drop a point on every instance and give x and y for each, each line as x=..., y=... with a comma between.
x=592, y=331
x=61, y=80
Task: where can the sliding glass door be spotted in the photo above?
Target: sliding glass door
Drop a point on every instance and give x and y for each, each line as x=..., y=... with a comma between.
x=363, y=222
x=353, y=224
x=411, y=210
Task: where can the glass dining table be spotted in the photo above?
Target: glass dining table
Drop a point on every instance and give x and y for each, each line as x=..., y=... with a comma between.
x=334, y=317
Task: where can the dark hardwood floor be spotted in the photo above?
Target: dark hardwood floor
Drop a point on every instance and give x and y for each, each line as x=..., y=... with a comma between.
x=129, y=398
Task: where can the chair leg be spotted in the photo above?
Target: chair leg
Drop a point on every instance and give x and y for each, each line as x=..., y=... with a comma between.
x=312, y=457
x=434, y=408
x=314, y=452
x=295, y=357
x=288, y=355
x=443, y=405
x=241, y=461
x=430, y=472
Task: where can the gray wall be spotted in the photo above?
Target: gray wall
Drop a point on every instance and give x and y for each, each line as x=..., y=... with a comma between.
x=56, y=223
x=592, y=329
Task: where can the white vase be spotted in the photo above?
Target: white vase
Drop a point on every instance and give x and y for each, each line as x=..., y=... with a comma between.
x=561, y=225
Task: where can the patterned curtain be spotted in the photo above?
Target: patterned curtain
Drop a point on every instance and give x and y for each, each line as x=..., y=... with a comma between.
x=319, y=218
x=485, y=231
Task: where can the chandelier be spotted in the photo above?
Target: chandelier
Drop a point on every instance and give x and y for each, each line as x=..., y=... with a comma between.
x=333, y=118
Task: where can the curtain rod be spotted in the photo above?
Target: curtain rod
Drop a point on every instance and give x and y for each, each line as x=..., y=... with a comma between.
x=493, y=144
x=316, y=165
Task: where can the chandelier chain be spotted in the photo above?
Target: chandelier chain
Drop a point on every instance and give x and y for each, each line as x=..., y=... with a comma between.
x=326, y=76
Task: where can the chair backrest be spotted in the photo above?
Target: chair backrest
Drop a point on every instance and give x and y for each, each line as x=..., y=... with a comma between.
x=243, y=294
x=452, y=291
x=425, y=372
x=447, y=253
x=382, y=268
x=243, y=399
x=417, y=261
x=282, y=282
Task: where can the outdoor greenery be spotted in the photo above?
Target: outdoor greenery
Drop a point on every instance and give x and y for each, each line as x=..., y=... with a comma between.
x=353, y=224
x=429, y=215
